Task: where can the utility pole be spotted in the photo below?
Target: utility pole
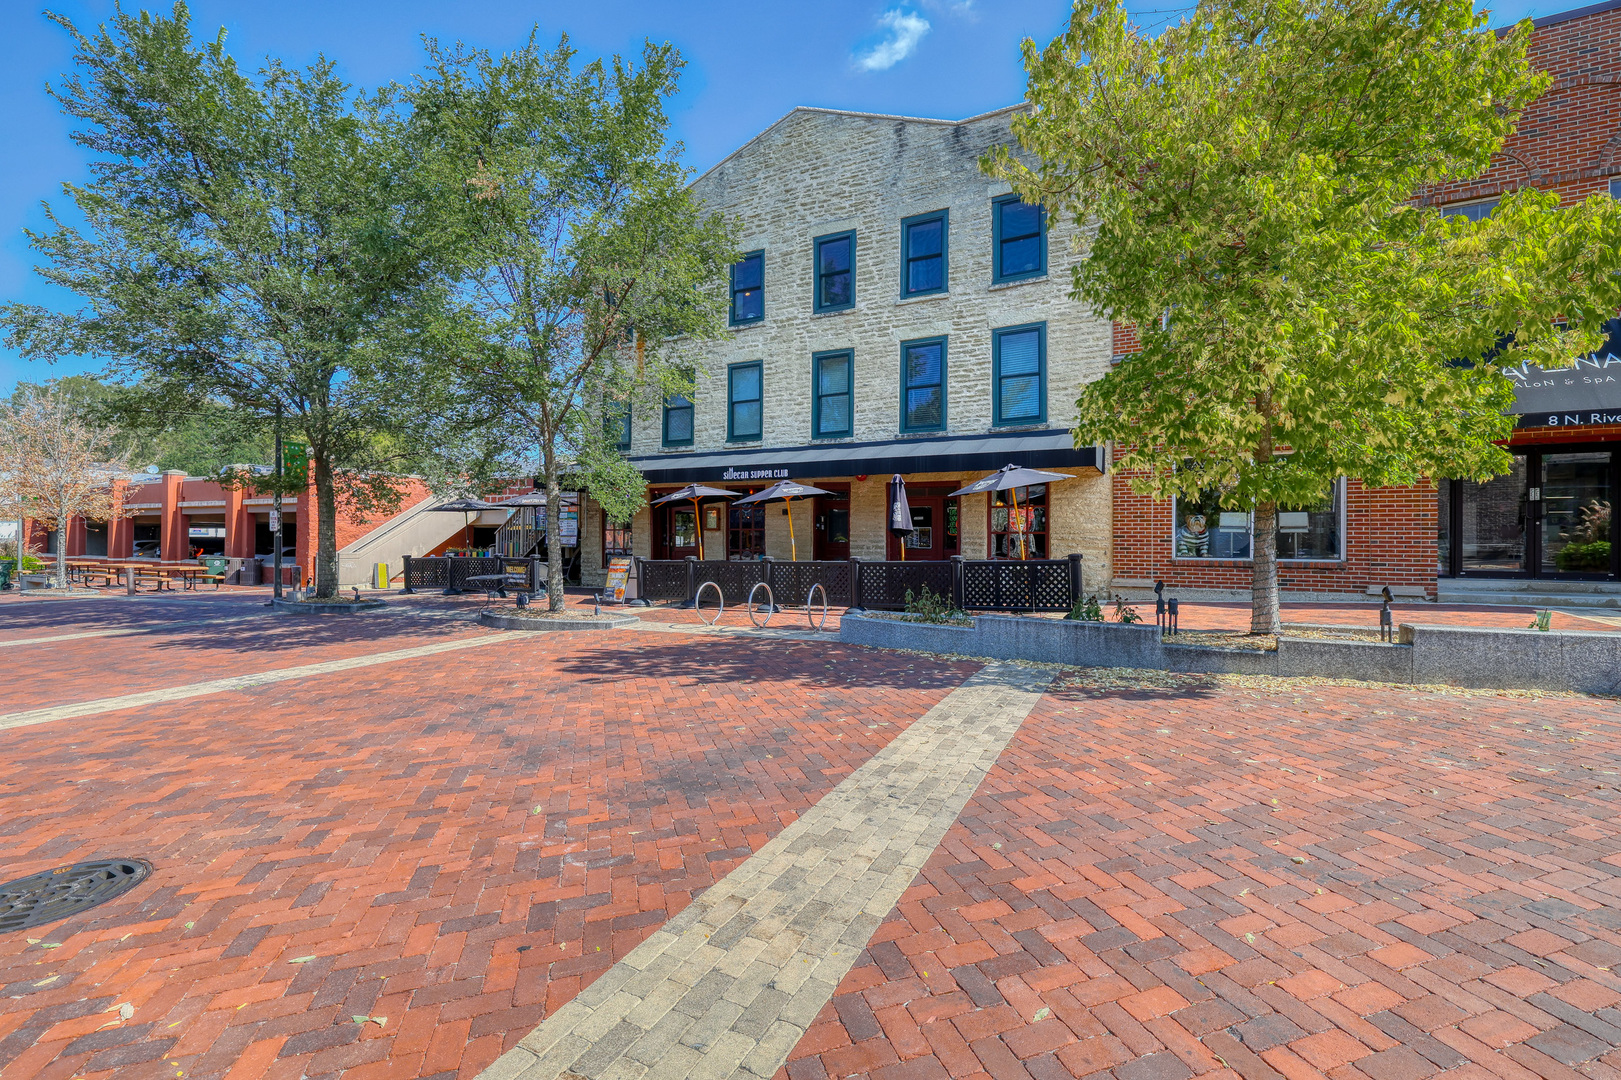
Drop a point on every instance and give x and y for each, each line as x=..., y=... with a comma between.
x=275, y=510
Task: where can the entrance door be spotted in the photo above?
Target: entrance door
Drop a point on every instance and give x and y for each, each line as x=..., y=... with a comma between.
x=678, y=531
x=934, y=528
x=1574, y=533
x=1548, y=518
x=832, y=521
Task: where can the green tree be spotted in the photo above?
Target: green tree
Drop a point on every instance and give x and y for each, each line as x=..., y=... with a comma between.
x=1247, y=186
x=575, y=259
x=246, y=244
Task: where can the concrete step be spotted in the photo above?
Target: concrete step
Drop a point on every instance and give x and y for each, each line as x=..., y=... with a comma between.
x=1529, y=585
x=1524, y=598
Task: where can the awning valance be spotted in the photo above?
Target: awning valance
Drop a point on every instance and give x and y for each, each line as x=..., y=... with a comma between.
x=936, y=454
x=1589, y=393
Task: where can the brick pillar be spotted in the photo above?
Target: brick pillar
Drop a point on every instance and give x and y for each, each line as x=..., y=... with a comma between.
x=120, y=530
x=173, y=520
x=75, y=537
x=239, y=524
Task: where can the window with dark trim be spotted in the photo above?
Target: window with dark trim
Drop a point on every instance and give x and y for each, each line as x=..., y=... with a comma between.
x=830, y=394
x=1019, y=374
x=835, y=271
x=615, y=539
x=1019, y=523
x=1474, y=211
x=1018, y=239
x=748, y=289
x=923, y=385
x=616, y=423
x=923, y=253
x=743, y=402
x=678, y=420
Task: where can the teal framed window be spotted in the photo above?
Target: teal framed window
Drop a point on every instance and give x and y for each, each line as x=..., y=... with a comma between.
x=678, y=420
x=1019, y=374
x=924, y=263
x=835, y=272
x=743, y=385
x=748, y=289
x=616, y=423
x=832, y=416
x=923, y=385
x=1018, y=239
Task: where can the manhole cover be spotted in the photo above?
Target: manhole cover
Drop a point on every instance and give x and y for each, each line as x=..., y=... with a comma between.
x=55, y=894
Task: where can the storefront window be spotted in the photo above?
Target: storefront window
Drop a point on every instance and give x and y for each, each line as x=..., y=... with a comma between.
x=1207, y=529
x=1020, y=534
x=615, y=538
x=745, y=533
x=1310, y=531
x=1576, y=513
x=1443, y=532
x=1494, y=522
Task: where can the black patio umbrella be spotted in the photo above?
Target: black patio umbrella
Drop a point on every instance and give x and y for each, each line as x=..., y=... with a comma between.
x=1008, y=478
x=692, y=493
x=466, y=506
x=787, y=491
x=900, y=512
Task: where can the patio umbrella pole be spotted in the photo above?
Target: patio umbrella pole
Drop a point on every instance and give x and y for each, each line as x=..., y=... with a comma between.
x=793, y=544
x=698, y=523
x=1018, y=522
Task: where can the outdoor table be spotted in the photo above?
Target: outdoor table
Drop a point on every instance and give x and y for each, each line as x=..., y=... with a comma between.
x=188, y=574
x=497, y=584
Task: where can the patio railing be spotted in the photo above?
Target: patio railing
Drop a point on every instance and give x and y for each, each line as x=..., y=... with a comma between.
x=971, y=584
x=451, y=573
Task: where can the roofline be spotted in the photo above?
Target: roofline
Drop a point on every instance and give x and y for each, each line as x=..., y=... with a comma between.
x=865, y=116
x=1576, y=13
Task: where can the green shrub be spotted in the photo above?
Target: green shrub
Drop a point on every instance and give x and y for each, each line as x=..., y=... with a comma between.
x=1087, y=610
x=1591, y=556
x=1124, y=612
x=930, y=607
x=1541, y=621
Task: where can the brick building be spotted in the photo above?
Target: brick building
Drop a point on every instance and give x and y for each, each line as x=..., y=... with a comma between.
x=1525, y=531
x=897, y=312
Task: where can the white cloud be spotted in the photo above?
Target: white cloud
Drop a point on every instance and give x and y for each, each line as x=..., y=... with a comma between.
x=902, y=31
x=951, y=7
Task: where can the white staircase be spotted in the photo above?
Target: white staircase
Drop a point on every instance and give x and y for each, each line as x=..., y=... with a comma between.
x=415, y=531
x=1520, y=592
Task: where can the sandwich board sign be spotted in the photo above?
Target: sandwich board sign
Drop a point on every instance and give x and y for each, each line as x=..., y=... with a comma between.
x=618, y=577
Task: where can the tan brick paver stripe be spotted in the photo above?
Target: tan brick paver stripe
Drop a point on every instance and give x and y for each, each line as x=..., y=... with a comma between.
x=727, y=987
x=235, y=682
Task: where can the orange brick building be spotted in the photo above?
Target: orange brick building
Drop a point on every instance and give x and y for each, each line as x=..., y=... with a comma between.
x=1548, y=519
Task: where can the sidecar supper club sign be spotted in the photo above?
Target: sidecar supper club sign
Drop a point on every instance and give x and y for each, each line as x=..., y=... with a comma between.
x=1587, y=393
x=754, y=474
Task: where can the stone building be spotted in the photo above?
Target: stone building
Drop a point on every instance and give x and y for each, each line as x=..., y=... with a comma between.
x=896, y=311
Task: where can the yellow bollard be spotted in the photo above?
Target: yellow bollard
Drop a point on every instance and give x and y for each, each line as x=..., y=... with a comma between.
x=380, y=576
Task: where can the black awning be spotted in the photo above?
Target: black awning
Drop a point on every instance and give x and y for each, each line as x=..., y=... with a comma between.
x=945, y=453
x=1588, y=393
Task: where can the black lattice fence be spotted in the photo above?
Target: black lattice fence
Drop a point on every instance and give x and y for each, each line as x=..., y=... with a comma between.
x=663, y=579
x=969, y=584
x=791, y=582
x=884, y=585
x=421, y=573
x=447, y=572
x=1031, y=585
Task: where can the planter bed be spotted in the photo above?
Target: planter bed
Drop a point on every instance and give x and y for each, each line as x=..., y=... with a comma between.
x=326, y=607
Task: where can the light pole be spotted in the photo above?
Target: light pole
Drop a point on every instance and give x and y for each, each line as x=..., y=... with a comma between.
x=275, y=510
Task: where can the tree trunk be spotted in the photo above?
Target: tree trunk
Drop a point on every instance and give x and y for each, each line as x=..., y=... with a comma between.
x=62, y=521
x=326, y=540
x=554, y=523
x=1265, y=616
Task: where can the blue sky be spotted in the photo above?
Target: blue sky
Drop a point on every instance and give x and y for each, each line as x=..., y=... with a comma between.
x=748, y=63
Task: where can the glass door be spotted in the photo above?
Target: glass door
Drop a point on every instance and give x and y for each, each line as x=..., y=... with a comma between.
x=1576, y=499
x=1492, y=531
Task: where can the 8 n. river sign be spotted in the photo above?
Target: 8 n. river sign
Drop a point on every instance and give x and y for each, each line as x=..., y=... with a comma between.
x=1588, y=393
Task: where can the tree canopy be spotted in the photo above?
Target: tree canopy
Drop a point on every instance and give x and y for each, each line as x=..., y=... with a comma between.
x=247, y=242
x=1249, y=185
x=573, y=258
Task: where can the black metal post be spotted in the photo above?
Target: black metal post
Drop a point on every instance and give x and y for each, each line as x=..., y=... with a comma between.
x=855, y=587
x=957, y=584
x=407, y=590
x=1171, y=606
x=276, y=512
x=692, y=582
x=1075, y=582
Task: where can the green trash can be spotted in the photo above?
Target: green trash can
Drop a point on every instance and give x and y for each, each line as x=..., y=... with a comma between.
x=5, y=572
x=217, y=566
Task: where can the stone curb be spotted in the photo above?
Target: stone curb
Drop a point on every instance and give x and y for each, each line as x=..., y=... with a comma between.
x=515, y=622
x=1588, y=661
x=298, y=607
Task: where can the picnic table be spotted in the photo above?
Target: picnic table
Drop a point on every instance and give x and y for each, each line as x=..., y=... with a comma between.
x=493, y=585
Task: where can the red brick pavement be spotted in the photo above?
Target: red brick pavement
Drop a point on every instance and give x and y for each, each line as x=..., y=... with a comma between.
x=1221, y=616
x=1359, y=884
x=457, y=844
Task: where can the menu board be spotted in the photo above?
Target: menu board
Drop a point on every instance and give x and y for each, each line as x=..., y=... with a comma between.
x=618, y=575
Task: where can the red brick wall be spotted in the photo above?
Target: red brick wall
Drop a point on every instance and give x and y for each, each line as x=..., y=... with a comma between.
x=1390, y=539
x=1565, y=139
x=1575, y=433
